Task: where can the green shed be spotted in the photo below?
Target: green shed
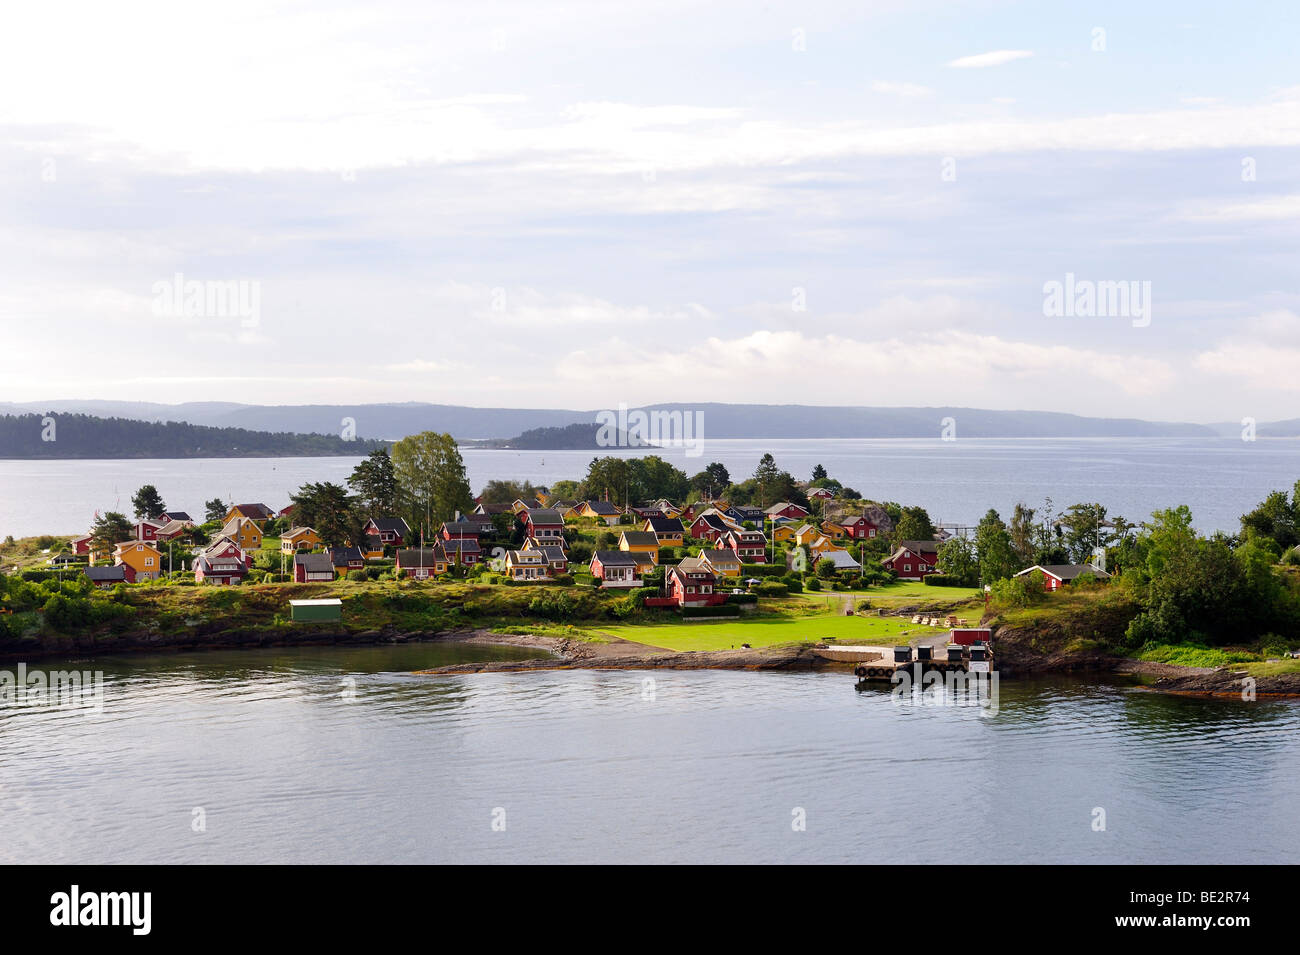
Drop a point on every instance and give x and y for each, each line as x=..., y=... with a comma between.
x=316, y=611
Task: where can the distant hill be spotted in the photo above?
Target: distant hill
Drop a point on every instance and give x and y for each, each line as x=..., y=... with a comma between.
x=719, y=421
x=575, y=437
x=85, y=436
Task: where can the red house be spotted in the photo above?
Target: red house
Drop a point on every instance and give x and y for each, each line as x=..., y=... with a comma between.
x=787, y=509
x=821, y=494
x=913, y=560
x=615, y=568
x=222, y=563
x=750, y=546
x=709, y=527
x=462, y=550
x=1056, y=576
x=81, y=545
x=859, y=527
x=145, y=530
x=313, y=568
x=544, y=524
x=391, y=531
x=691, y=583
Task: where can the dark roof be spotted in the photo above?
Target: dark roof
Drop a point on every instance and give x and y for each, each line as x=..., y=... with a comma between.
x=713, y=520
x=254, y=510
x=641, y=538
x=490, y=509
x=920, y=547
x=459, y=544
x=176, y=516
x=314, y=563
x=102, y=574
x=554, y=553
x=391, y=524
x=666, y=525
x=603, y=507
x=544, y=515
x=722, y=556
x=344, y=555
x=611, y=557
x=414, y=557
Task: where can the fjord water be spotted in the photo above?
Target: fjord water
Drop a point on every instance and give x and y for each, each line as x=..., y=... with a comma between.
x=957, y=481
x=697, y=767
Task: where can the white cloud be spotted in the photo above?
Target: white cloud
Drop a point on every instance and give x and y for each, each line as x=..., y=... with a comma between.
x=1286, y=208
x=909, y=90
x=993, y=58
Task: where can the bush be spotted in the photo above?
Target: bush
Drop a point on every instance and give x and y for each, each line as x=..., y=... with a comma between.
x=945, y=580
x=358, y=576
x=814, y=584
x=742, y=598
x=772, y=588
x=722, y=610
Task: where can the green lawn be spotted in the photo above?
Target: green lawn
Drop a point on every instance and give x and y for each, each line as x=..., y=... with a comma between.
x=772, y=631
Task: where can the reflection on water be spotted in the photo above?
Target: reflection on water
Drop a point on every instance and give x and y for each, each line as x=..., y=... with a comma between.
x=328, y=755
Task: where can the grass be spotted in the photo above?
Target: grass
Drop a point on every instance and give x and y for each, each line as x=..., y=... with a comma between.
x=771, y=631
x=1194, y=655
x=1276, y=668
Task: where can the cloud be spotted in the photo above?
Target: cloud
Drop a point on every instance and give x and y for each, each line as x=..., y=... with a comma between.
x=1286, y=208
x=909, y=90
x=994, y=58
x=1263, y=354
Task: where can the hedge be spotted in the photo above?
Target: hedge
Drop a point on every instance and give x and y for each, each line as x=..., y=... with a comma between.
x=742, y=598
x=722, y=610
x=945, y=580
x=762, y=570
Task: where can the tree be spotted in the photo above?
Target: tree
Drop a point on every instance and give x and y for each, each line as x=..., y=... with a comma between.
x=655, y=478
x=765, y=478
x=818, y=473
x=826, y=568
x=1275, y=519
x=712, y=480
x=214, y=510
x=431, y=479
x=997, y=559
x=147, y=502
x=1022, y=534
x=507, y=492
x=957, y=560
x=109, y=530
x=375, y=484
x=327, y=509
x=1086, y=531
x=607, y=477
x=914, y=525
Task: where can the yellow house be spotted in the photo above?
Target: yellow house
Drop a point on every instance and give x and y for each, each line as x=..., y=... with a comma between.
x=244, y=531
x=821, y=546
x=783, y=534
x=668, y=530
x=299, y=539
x=141, y=559
x=642, y=545
x=601, y=511
x=806, y=534
x=257, y=513
x=833, y=530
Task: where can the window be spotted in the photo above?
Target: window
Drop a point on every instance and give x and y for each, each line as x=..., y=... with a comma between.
x=148, y=561
x=907, y=567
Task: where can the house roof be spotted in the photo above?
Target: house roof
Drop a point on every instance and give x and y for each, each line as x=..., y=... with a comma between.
x=1067, y=571
x=714, y=520
x=691, y=565
x=553, y=553
x=666, y=525
x=842, y=558
x=493, y=508
x=233, y=525
x=722, y=556
x=640, y=538
x=544, y=515
x=920, y=547
x=314, y=563
x=344, y=555
x=391, y=524
x=176, y=516
x=298, y=532
x=415, y=557
x=612, y=558
x=604, y=508
x=259, y=511
x=105, y=574
x=459, y=544
x=782, y=505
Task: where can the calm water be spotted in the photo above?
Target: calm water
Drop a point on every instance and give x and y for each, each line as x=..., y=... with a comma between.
x=587, y=768
x=1219, y=478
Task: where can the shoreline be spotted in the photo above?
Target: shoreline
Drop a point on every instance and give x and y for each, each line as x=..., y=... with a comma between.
x=617, y=653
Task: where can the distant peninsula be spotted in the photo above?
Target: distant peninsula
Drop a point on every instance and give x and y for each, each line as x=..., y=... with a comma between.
x=56, y=435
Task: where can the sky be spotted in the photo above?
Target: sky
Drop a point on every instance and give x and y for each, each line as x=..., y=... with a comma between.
x=582, y=204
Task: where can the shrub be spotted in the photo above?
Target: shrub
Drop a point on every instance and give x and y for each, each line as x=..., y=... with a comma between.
x=358, y=576
x=814, y=584
x=772, y=588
